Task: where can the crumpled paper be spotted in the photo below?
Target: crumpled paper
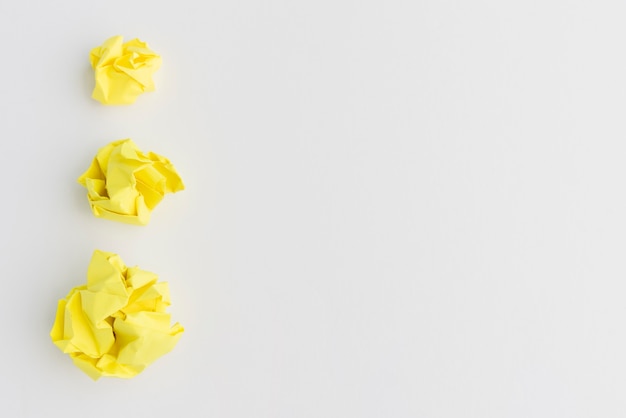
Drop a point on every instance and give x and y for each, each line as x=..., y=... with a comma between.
x=123, y=70
x=116, y=324
x=124, y=184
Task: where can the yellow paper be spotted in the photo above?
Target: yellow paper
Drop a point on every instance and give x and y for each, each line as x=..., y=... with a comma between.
x=124, y=184
x=123, y=70
x=116, y=324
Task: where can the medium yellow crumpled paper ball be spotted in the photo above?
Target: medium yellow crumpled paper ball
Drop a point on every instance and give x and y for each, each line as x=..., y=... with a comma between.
x=123, y=70
x=116, y=324
x=124, y=184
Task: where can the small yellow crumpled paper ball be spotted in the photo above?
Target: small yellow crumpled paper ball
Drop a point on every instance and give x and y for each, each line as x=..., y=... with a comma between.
x=123, y=70
x=116, y=324
x=124, y=184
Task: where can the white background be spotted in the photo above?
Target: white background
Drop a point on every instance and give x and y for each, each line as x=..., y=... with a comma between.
x=393, y=208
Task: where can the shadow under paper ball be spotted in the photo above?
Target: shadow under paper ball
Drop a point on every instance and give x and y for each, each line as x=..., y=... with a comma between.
x=87, y=81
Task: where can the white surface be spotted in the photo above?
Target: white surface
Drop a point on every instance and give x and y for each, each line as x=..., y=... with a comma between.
x=393, y=209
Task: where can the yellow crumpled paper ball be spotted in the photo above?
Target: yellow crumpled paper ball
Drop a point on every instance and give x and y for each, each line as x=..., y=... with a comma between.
x=116, y=324
x=124, y=184
x=123, y=70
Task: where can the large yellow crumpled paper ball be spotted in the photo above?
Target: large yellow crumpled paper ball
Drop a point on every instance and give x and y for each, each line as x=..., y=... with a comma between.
x=124, y=184
x=116, y=324
x=123, y=70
